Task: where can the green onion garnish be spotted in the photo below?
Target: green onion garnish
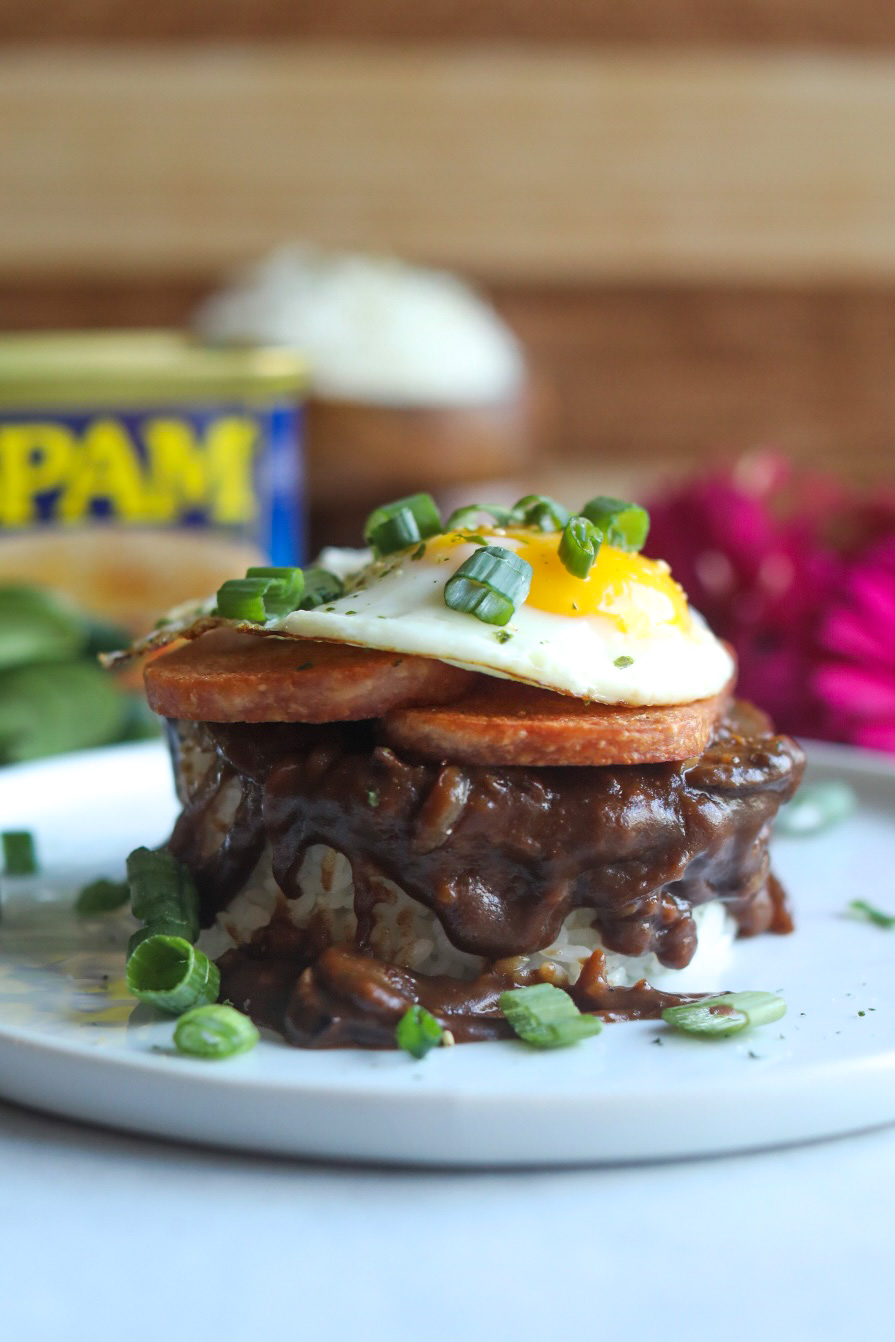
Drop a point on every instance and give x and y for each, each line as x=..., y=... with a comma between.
x=402, y=523
x=320, y=586
x=285, y=592
x=815, y=807
x=722, y=1016
x=536, y=510
x=397, y=532
x=579, y=546
x=624, y=525
x=263, y=594
x=872, y=914
x=163, y=896
x=462, y=518
x=169, y=973
x=214, y=1032
x=292, y=577
x=19, y=853
x=622, y=662
x=418, y=1031
x=546, y=1017
x=102, y=896
x=489, y=585
x=243, y=599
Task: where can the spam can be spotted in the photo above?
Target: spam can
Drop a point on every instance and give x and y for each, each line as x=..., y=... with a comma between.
x=139, y=469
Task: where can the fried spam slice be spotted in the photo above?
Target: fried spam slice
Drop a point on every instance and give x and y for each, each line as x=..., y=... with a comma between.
x=503, y=722
x=229, y=676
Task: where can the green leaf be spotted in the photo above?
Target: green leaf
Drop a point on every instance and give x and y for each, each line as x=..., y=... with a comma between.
x=38, y=626
x=46, y=709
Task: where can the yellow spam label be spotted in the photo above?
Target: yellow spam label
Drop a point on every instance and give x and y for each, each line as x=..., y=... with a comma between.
x=165, y=468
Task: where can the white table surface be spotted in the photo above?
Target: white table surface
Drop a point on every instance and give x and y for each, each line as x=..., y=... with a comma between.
x=107, y=1236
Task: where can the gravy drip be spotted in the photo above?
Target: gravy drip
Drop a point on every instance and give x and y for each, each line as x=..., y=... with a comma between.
x=500, y=855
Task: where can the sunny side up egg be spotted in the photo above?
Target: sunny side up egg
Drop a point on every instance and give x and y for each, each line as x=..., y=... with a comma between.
x=623, y=635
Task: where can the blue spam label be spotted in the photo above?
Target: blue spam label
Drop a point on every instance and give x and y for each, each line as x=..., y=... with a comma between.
x=231, y=469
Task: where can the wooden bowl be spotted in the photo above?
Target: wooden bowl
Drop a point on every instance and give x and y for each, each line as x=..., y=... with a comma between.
x=360, y=455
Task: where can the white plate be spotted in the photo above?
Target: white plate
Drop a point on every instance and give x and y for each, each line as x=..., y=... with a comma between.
x=72, y=1043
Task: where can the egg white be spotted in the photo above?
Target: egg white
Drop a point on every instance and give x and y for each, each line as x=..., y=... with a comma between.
x=398, y=605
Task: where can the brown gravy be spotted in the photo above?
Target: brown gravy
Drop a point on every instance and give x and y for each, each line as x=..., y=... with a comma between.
x=500, y=855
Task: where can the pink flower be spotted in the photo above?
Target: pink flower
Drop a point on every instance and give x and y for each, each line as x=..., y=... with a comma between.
x=798, y=574
x=855, y=675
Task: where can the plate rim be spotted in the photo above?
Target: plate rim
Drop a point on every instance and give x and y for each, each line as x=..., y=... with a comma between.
x=178, y=1074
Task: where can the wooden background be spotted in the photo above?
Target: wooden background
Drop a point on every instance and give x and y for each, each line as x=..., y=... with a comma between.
x=687, y=212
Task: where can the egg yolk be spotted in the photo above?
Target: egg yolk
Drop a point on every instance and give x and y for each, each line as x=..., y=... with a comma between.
x=636, y=593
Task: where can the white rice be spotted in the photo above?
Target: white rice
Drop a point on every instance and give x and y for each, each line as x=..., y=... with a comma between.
x=373, y=329
x=408, y=934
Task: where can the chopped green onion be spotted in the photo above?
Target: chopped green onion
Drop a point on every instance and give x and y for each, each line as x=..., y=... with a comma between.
x=293, y=577
x=320, y=586
x=624, y=525
x=418, y=1031
x=163, y=896
x=243, y=599
x=462, y=518
x=397, y=532
x=546, y=1017
x=214, y=1032
x=489, y=585
x=285, y=592
x=169, y=973
x=102, y=896
x=579, y=546
x=405, y=522
x=622, y=662
x=872, y=914
x=263, y=594
x=19, y=854
x=536, y=510
x=279, y=600
x=726, y=1015
x=815, y=807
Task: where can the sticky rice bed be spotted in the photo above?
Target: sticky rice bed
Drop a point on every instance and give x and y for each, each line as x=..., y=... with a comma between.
x=408, y=934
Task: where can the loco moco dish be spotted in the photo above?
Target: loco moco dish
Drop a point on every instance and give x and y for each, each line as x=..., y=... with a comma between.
x=487, y=753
